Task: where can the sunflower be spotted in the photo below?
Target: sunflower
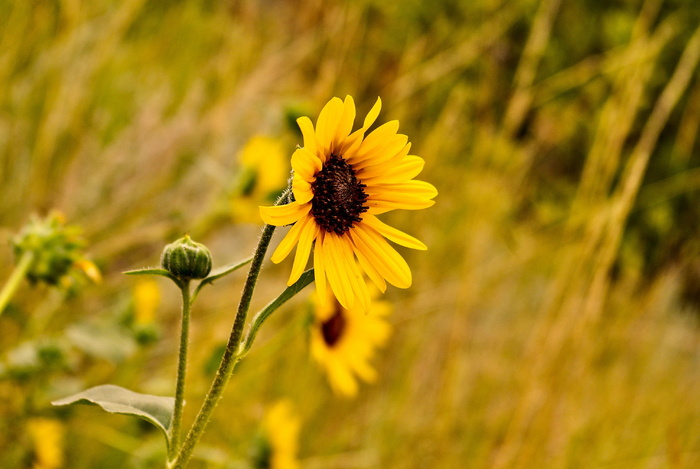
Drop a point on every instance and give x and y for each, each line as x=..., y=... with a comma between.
x=342, y=181
x=47, y=436
x=343, y=341
x=262, y=175
x=277, y=446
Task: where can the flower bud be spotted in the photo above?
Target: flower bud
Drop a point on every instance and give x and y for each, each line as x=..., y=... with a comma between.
x=57, y=249
x=186, y=260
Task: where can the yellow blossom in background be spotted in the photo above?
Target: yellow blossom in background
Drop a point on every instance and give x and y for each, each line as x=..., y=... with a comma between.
x=263, y=175
x=342, y=181
x=280, y=438
x=47, y=440
x=146, y=296
x=89, y=269
x=343, y=341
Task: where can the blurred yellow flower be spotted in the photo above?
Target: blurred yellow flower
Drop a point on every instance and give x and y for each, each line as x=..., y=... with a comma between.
x=89, y=269
x=280, y=439
x=146, y=297
x=47, y=440
x=263, y=175
x=342, y=180
x=343, y=341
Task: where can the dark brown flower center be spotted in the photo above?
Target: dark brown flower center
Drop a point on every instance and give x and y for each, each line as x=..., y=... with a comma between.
x=339, y=198
x=333, y=327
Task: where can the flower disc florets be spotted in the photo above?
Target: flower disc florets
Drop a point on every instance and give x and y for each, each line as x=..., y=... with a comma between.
x=339, y=198
x=332, y=328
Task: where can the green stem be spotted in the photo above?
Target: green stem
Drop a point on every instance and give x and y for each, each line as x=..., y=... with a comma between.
x=229, y=359
x=181, y=371
x=15, y=279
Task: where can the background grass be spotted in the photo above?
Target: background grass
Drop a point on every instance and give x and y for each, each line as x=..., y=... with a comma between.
x=553, y=321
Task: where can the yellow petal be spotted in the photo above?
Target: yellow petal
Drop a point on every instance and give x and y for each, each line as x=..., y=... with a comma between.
x=364, y=370
x=382, y=256
x=409, y=195
x=394, y=171
x=281, y=215
x=376, y=141
x=353, y=274
x=347, y=119
x=335, y=270
x=307, y=130
x=306, y=239
x=381, y=152
x=302, y=190
x=342, y=380
x=319, y=269
x=327, y=124
x=397, y=236
x=290, y=240
x=378, y=206
x=372, y=115
x=305, y=164
x=369, y=269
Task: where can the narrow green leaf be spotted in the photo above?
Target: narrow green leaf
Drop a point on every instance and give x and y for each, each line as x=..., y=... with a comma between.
x=219, y=273
x=151, y=271
x=305, y=279
x=117, y=400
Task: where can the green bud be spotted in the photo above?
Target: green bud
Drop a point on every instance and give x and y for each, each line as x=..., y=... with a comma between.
x=57, y=248
x=186, y=260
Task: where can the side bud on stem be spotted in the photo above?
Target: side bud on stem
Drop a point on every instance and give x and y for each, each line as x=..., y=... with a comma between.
x=186, y=260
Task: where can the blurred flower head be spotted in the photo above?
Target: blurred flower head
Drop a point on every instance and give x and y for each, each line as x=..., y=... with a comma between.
x=263, y=175
x=342, y=181
x=146, y=296
x=47, y=440
x=343, y=341
x=56, y=250
x=277, y=446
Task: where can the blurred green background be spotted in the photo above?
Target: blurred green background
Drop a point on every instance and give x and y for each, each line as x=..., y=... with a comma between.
x=553, y=323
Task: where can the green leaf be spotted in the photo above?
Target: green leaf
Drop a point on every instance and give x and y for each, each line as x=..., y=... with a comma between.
x=117, y=400
x=102, y=340
x=305, y=279
x=152, y=271
x=218, y=273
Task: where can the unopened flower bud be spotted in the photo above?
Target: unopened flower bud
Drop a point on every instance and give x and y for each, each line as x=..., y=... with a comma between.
x=186, y=259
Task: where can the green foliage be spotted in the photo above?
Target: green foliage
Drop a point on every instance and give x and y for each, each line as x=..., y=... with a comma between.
x=117, y=400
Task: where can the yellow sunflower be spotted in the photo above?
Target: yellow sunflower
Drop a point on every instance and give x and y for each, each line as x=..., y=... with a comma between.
x=263, y=174
x=343, y=341
x=47, y=437
x=342, y=181
x=278, y=445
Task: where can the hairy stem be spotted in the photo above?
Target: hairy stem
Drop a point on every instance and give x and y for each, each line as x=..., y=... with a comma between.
x=181, y=371
x=229, y=359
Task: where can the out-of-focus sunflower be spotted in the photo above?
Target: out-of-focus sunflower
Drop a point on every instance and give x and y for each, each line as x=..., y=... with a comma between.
x=47, y=438
x=262, y=175
x=277, y=446
x=342, y=181
x=343, y=341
